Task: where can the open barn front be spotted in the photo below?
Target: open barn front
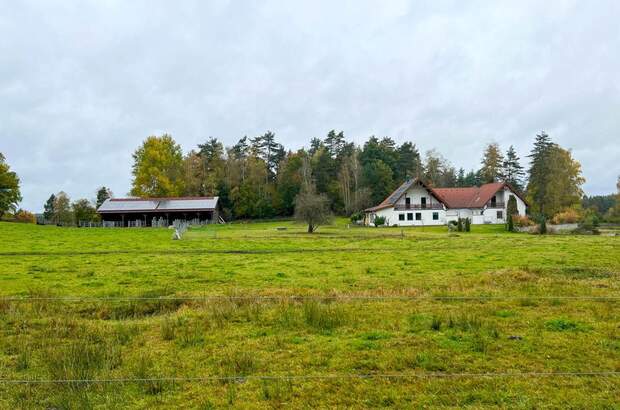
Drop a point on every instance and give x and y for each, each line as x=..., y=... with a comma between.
x=157, y=219
x=159, y=212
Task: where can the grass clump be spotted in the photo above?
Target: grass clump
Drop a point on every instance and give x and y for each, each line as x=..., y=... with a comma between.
x=238, y=363
x=79, y=360
x=564, y=325
x=323, y=317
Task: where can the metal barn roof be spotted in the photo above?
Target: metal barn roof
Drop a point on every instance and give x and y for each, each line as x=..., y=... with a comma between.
x=120, y=205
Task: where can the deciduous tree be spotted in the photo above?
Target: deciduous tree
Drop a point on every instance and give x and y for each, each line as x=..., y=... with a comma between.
x=10, y=195
x=83, y=211
x=492, y=163
x=158, y=168
x=62, y=209
x=311, y=207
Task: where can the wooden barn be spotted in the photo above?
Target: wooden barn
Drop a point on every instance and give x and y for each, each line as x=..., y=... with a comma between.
x=137, y=212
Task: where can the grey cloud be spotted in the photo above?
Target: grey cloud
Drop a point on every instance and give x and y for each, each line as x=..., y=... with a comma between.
x=83, y=83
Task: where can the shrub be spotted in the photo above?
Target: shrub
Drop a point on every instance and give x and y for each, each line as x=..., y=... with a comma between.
x=521, y=221
x=568, y=216
x=467, y=225
x=510, y=226
x=542, y=229
x=459, y=225
x=379, y=220
x=25, y=217
x=356, y=217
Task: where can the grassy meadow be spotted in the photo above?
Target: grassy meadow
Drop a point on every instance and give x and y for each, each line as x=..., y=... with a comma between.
x=329, y=315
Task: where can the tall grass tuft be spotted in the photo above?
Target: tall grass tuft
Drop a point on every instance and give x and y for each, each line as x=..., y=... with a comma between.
x=322, y=317
x=238, y=363
x=78, y=360
x=167, y=329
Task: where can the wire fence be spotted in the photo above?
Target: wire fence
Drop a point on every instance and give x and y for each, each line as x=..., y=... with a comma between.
x=428, y=375
x=284, y=298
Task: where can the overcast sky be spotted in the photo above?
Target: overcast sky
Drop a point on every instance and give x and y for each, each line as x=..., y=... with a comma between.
x=83, y=83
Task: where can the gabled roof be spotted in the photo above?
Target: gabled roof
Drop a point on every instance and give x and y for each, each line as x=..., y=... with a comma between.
x=399, y=192
x=470, y=197
x=119, y=205
x=473, y=197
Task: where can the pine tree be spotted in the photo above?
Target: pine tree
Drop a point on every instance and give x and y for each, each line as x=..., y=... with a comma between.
x=408, y=164
x=103, y=193
x=492, y=161
x=241, y=149
x=48, y=208
x=512, y=171
x=554, y=178
x=266, y=148
x=460, y=179
x=315, y=145
x=538, y=179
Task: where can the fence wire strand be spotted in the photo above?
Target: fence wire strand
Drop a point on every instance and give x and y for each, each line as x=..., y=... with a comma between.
x=435, y=375
x=297, y=298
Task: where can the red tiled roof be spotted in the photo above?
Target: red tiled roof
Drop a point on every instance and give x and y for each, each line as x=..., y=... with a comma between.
x=471, y=197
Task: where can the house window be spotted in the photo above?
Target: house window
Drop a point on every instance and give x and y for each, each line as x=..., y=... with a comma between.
x=410, y=216
x=500, y=214
x=435, y=216
x=418, y=216
x=423, y=202
x=401, y=217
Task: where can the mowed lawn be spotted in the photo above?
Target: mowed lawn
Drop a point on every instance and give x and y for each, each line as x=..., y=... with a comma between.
x=346, y=317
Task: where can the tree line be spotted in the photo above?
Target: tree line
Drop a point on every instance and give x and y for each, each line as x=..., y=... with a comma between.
x=258, y=178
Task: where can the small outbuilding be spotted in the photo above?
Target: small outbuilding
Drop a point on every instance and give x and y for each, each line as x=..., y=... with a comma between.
x=130, y=212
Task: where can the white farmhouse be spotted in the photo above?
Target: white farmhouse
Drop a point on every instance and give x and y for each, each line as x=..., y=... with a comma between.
x=415, y=203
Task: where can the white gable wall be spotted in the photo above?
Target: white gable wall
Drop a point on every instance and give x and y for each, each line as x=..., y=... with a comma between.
x=415, y=195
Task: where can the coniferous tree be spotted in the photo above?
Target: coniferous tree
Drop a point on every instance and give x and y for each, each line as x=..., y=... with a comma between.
x=408, y=164
x=271, y=152
x=241, y=149
x=48, y=208
x=103, y=193
x=512, y=171
x=538, y=178
x=460, y=178
x=555, y=179
x=377, y=176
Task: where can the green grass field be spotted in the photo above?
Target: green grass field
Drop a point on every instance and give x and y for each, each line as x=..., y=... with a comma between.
x=474, y=319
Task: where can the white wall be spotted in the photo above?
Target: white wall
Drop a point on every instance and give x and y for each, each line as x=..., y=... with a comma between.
x=392, y=217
